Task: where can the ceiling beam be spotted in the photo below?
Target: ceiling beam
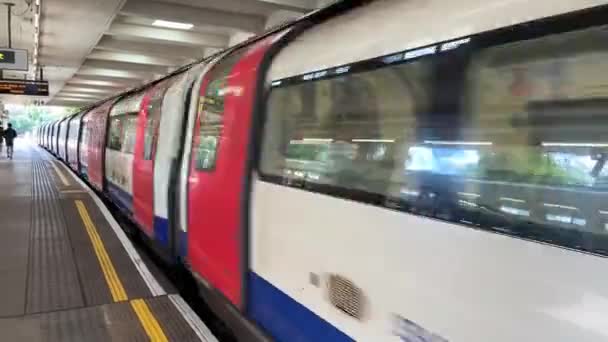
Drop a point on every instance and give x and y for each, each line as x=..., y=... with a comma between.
x=109, y=43
x=258, y=7
x=193, y=15
x=72, y=99
x=292, y=5
x=90, y=89
x=113, y=73
x=133, y=58
x=153, y=69
x=66, y=102
x=76, y=101
x=103, y=81
x=80, y=95
x=168, y=36
x=95, y=87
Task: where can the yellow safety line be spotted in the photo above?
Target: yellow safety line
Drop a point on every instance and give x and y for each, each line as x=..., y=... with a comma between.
x=64, y=180
x=114, y=283
x=148, y=321
x=145, y=316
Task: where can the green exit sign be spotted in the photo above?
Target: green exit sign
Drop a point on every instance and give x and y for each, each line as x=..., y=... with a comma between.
x=13, y=59
x=7, y=56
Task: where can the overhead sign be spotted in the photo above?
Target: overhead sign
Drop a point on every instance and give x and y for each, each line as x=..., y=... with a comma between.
x=13, y=59
x=7, y=56
x=18, y=87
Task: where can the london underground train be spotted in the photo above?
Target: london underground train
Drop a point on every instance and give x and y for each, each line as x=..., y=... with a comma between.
x=377, y=171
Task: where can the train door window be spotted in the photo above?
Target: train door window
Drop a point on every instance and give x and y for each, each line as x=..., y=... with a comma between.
x=122, y=133
x=211, y=113
x=84, y=138
x=129, y=130
x=73, y=132
x=352, y=131
x=153, y=120
x=115, y=133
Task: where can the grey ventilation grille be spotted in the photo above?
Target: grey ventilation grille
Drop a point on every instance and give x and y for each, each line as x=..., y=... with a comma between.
x=345, y=296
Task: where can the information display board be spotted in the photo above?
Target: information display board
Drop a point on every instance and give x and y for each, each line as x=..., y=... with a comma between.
x=18, y=87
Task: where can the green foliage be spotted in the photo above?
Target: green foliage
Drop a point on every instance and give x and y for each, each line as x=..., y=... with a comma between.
x=528, y=165
x=26, y=118
x=305, y=151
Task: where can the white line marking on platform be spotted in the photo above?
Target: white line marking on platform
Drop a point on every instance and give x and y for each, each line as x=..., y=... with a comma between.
x=64, y=180
x=201, y=330
x=155, y=288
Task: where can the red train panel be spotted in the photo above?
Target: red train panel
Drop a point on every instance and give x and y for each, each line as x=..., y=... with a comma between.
x=143, y=171
x=217, y=170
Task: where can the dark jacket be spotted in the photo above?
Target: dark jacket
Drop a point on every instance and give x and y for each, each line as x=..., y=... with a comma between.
x=9, y=135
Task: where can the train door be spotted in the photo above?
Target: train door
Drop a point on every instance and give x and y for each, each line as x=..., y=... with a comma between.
x=59, y=133
x=143, y=163
x=73, y=141
x=167, y=161
x=217, y=170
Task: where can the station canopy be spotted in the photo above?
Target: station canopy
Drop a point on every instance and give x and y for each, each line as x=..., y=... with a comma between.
x=90, y=49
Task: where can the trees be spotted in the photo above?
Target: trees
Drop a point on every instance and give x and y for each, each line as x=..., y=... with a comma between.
x=26, y=118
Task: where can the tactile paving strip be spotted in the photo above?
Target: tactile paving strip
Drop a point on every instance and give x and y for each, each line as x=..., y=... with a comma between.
x=116, y=322
x=52, y=279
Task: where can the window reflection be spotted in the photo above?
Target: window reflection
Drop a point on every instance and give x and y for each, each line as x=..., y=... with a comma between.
x=212, y=107
x=509, y=138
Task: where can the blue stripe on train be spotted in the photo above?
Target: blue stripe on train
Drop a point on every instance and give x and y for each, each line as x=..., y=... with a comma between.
x=122, y=199
x=161, y=230
x=285, y=319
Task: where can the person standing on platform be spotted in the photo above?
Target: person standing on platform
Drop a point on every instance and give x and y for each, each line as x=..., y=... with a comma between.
x=9, y=136
x=1, y=136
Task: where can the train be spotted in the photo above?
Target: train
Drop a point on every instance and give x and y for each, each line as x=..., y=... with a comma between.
x=376, y=171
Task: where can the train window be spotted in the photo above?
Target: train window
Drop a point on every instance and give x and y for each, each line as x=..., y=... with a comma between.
x=349, y=131
x=211, y=113
x=509, y=138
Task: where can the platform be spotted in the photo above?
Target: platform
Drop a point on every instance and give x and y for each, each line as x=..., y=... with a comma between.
x=67, y=270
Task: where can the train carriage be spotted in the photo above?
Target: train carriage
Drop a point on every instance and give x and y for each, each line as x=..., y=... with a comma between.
x=364, y=175
x=420, y=143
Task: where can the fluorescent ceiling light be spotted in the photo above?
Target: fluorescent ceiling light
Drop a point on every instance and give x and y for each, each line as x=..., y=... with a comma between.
x=559, y=144
x=516, y=200
x=173, y=24
x=441, y=142
x=469, y=194
x=374, y=140
x=317, y=140
x=551, y=205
